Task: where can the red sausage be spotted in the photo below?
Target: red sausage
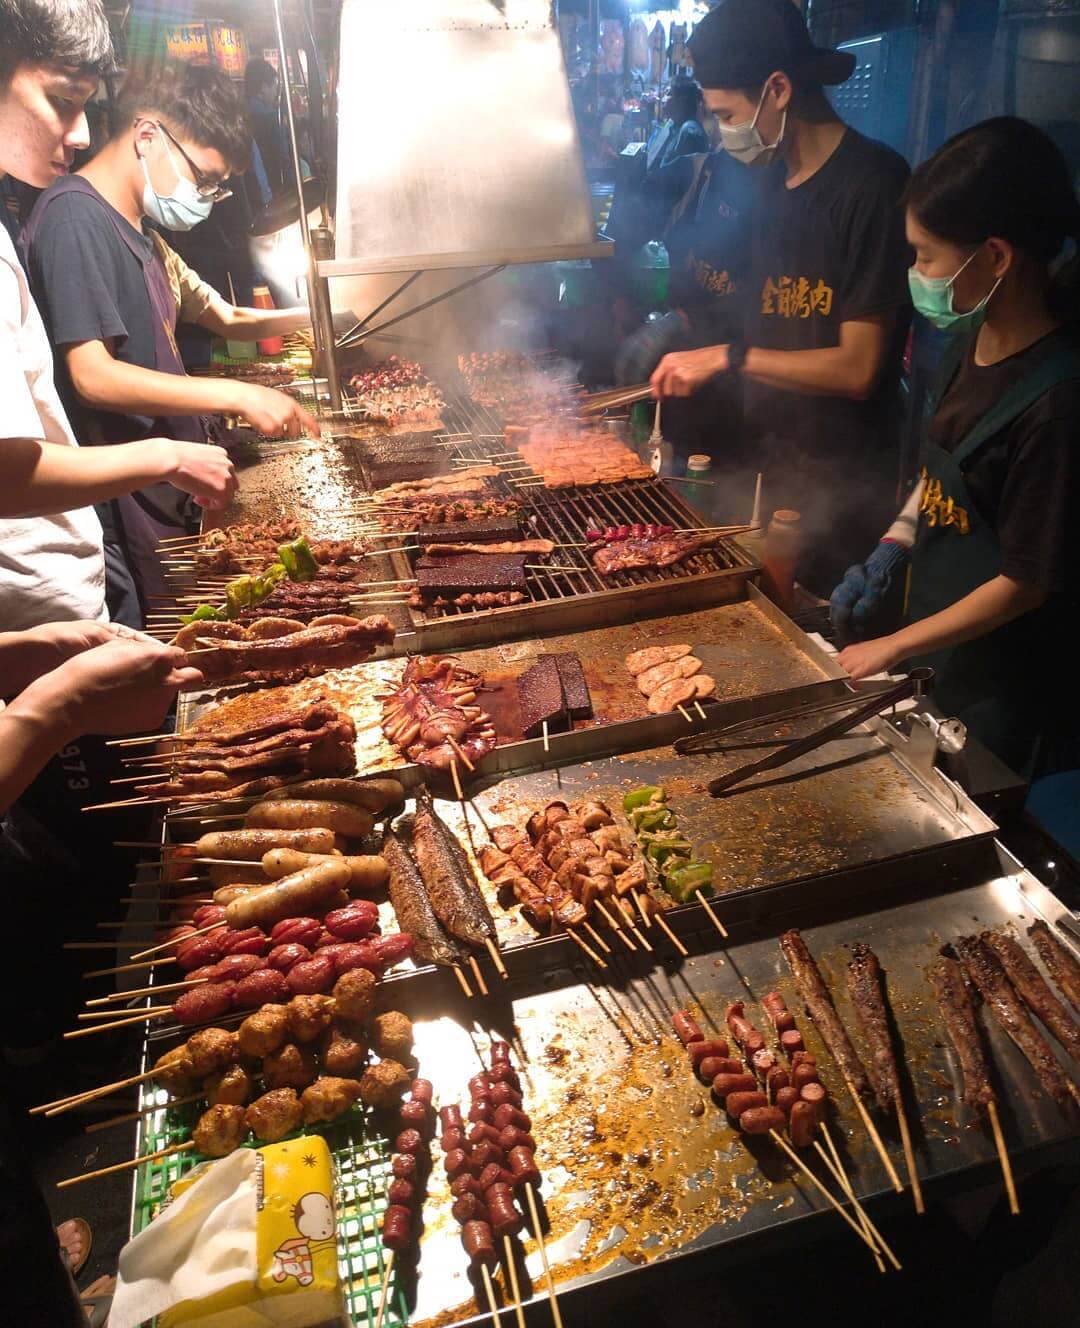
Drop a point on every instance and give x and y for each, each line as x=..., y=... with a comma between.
x=760, y=1120
x=500, y=1053
x=484, y=1154
x=466, y=1184
x=409, y=1141
x=522, y=1167
x=265, y=987
x=202, y=1005
x=482, y=1109
x=236, y=966
x=451, y=1139
x=493, y=1174
x=479, y=1085
x=296, y=931
x=348, y=955
x=514, y=1138
x=763, y=1061
x=504, y=1074
x=482, y=1132
x=686, y=1027
x=737, y=1103
x=354, y=921
x=282, y=957
x=503, y=1094
x=508, y=1115
x=802, y=1124
x=786, y=1099
x=311, y=976
x=204, y=974
x=207, y=914
x=804, y=1074
x=699, y=1051
x=742, y=1030
x=791, y=1041
x=414, y=1113
x=422, y=1091
x=397, y=1228
x=251, y=940
x=775, y=1080
x=200, y=950
x=724, y=1084
x=815, y=1095
x=505, y=1218
x=401, y=1192
x=450, y=1117
x=404, y=1167
x=456, y=1163
x=803, y=1058
x=468, y=1208
x=477, y=1242
x=393, y=949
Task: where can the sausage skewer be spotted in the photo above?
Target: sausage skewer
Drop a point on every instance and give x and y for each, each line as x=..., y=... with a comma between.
x=866, y=988
x=410, y=1166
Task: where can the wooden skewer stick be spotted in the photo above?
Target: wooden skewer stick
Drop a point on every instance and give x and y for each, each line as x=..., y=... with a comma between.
x=457, y=781
x=697, y=707
x=1003, y=1157
x=597, y=937
x=480, y=983
x=662, y=924
x=87, y=1015
x=109, y=1025
x=127, y=968
x=845, y=1184
x=511, y=1272
x=614, y=925
x=544, y=732
x=165, y=945
x=496, y=958
x=627, y=914
x=539, y=1234
x=387, y=1274
x=787, y=1148
x=142, y=991
x=463, y=982
x=583, y=945
x=489, y=1291
x=849, y=1189
x=708, y=909
x=875, y=1138
x=681, y=709
x=464, y=759
x=646, y=918
x=125, y=1166
x=125, y=802
x=909, y=1156
x=62, y=1104
x=143, y=1111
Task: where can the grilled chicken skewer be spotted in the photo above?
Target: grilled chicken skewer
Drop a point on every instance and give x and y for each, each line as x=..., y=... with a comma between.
x=864, y=981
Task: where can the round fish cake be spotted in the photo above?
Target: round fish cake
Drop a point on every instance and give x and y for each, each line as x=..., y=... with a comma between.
x=652, y=678
x=640, y=660
x=703, y=685
x=671, y=695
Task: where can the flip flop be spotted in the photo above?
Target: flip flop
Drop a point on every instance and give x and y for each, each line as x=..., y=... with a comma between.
x=98, y=1303
x=75, y=1267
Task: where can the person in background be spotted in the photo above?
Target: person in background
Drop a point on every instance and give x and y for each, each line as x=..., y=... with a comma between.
x=269, y=154
x=680, y=132
x=827, y=305
x=989, y=534
x=111, y=290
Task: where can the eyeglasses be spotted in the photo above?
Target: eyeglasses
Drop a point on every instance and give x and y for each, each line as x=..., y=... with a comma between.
x=205, y=186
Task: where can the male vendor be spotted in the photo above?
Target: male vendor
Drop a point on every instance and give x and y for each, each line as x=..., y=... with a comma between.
x=827, y=306
x=111, y=291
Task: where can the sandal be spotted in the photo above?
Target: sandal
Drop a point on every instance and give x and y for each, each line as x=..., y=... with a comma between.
x=97, y=1301
x=75, y=1266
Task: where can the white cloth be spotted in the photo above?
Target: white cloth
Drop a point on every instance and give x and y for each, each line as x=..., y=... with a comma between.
x=52, y=568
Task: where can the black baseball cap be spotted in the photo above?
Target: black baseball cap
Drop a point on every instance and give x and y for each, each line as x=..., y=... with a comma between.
x=741, y=42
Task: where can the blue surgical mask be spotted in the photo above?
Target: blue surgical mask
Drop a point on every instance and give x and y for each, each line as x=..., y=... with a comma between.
x=744, y=142
x=183, y=208
x=933, y=298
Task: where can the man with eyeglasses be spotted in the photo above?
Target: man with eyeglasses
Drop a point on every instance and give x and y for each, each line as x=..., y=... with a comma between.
x=111, y=291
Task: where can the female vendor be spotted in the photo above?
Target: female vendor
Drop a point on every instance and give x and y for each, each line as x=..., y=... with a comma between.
x=991, y=530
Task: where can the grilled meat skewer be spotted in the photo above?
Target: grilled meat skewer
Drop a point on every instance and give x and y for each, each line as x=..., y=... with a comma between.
x=864, y=982
x=818, y=1001
x=1035, y=992
x=410, y=900
x=988, y=975
x=1062, y=964
x=958, y=1015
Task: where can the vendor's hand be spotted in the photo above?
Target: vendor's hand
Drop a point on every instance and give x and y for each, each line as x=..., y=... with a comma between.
x=859, y=595
x=682, y=373
x=202, y=469
x=274, y=414
x=639, y=354
x=866, y=658
x=123, y=686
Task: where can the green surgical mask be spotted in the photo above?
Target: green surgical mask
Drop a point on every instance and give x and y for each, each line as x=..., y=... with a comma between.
x=933, y=298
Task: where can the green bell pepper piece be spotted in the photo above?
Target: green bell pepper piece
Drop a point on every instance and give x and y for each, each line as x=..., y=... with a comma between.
x=660, y=850
x=688, y=880
x=239, y=595
x=204, y=613
x=641, y=797
x=298, y=560
x=647, y=819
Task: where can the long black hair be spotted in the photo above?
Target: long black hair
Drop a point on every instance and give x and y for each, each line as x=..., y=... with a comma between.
x=1006, y=178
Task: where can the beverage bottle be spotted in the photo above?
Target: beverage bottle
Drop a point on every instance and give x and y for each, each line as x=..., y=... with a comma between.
x=262, y=299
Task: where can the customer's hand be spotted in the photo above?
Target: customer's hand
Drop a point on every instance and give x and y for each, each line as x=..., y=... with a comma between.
x=202, y=469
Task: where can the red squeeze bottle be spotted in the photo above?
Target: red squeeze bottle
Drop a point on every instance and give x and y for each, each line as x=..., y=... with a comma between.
x=781, y=555
x=262, y=299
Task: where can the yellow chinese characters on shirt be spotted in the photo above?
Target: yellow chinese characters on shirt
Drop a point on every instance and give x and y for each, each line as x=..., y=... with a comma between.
x=714, y=281
x=795, y=297
x=937, y=510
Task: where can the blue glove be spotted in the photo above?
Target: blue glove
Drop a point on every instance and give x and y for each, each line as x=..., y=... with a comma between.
x=643, y=350
x=856, y=599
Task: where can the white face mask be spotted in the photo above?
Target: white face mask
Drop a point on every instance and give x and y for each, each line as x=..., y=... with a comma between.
x=744, y=142
x=184, y=208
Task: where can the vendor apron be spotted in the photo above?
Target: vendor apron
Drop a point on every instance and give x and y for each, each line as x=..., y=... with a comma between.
x=997, y=684
x=135, y=524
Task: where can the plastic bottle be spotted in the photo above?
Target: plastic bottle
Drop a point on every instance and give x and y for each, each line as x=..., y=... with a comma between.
x=262, y=299
x=698, y=496
x=783, y=544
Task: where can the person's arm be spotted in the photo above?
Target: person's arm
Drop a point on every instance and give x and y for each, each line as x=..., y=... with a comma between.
x=106, y=383
x=40, y=479
x=991, y=605
x=239, y=324
x=850, y=369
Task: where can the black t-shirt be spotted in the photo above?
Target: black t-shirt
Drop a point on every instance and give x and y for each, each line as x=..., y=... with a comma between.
x=708, y=247
x=829, y=251
x=1024, y=481
x=89, y=286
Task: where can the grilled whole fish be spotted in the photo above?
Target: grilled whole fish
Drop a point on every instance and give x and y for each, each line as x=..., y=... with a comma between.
x=453, y=891
x=413, y=907
x=986, y=971
x=819, y=1002
x=1035, y=991
x=865, y=988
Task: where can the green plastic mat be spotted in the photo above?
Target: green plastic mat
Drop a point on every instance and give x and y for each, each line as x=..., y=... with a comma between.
x=362, y=1165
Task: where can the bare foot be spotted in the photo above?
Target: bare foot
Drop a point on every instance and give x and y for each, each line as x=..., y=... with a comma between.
x=74, y=1238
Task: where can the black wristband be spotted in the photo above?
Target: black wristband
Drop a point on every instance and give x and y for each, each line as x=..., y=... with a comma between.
x=736, y=356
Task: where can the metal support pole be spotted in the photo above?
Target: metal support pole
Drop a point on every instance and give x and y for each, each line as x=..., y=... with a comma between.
x=318, y=291
x=419, y=308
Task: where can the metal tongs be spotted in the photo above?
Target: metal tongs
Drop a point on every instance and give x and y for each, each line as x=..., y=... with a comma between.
x=860, y=706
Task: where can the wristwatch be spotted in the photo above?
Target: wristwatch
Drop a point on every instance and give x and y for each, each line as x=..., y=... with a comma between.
x=736, y=356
